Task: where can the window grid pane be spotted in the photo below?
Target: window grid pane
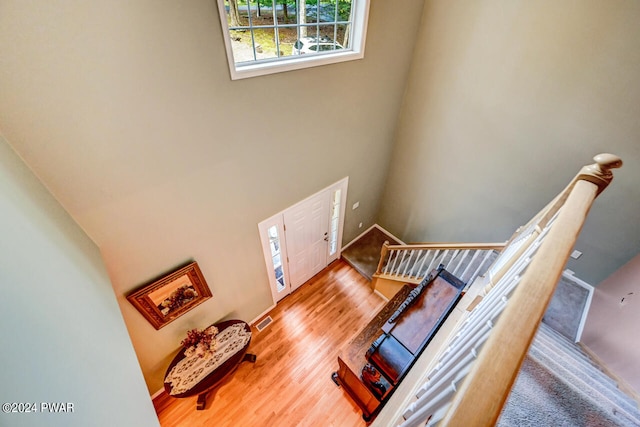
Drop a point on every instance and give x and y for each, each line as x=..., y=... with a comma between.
x=258, y=36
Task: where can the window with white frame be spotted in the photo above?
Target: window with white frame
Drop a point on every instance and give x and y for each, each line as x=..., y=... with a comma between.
x=270, y=36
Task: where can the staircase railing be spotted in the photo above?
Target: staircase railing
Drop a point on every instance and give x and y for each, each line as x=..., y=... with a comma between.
x=474, y=373
x=412, y=263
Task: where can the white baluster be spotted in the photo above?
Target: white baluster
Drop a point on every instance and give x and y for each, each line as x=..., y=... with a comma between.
x=385, y=270
x=437, y=259
x=406, y=267
x=464, y=273
x=393, y=267
x=427, y=253
x=428, y=404
x=463, y=256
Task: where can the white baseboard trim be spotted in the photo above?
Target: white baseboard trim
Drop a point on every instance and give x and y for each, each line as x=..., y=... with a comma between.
x=357, y=237
x=261, y=315
x=157, y=393
x=366, y=231
x=375, y=291
x=590, y=289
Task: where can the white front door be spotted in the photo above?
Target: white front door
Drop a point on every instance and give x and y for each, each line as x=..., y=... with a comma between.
x=302, y=240
x=306, y=227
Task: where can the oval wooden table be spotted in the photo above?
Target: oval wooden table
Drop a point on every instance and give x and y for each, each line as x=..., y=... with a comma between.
x=209, y=383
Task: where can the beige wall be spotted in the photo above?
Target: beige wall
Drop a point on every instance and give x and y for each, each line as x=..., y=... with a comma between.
x=506, y=100
x=125, y=110
x=611, y=329
x=62, y=334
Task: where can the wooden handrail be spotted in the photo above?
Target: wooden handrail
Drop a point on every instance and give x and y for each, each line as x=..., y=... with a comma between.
x=481, y=396
x=386, y=248
x=450, y=246
x=598, y=174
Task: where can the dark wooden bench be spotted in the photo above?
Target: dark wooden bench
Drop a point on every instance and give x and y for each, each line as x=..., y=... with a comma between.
x=389, y=345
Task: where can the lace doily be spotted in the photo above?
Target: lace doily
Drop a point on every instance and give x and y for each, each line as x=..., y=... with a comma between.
x=191, y=370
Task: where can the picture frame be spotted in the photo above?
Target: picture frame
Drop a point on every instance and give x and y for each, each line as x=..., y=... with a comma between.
x=172, y=295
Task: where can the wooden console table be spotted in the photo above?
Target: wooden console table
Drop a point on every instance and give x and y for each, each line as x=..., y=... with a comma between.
x=209, y=383
x=412, y=328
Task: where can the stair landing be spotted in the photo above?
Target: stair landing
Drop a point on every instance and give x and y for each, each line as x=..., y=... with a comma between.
x=363, y=253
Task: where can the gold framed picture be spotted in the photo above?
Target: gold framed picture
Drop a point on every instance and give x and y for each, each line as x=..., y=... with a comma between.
x=171, y=296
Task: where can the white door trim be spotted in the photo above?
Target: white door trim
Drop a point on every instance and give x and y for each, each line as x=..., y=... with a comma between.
x=278, y=221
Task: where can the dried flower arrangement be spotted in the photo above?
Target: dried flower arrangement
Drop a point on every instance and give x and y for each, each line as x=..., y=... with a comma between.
x=200, y=342
x=177, y=299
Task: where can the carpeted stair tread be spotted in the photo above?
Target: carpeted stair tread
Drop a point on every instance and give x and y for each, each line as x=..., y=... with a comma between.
x=578, y=362
x=556, y=336
x=538, y=399
x=547, y=336
x=579, y=365
x=585, y=382
x=560, y=385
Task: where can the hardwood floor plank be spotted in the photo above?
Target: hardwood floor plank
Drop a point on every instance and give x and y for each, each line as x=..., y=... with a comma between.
x=290, y=383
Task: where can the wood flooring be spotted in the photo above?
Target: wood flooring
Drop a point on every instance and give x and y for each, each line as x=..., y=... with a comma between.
x=290, y=383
